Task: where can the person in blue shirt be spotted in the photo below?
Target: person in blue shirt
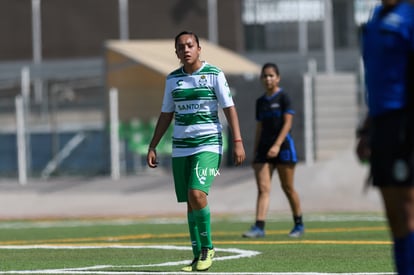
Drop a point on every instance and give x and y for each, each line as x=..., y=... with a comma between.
x=386, y=137
x=274, y=149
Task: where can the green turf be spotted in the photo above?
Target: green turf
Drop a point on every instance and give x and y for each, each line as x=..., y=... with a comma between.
x=336, y=243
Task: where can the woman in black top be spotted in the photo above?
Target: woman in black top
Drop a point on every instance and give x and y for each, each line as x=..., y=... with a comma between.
x=274, y=148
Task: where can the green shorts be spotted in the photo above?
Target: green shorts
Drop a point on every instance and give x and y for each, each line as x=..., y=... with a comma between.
x=194, y=172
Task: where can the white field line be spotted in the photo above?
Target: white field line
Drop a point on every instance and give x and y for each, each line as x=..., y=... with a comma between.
x=238, y=253
x=185, y=273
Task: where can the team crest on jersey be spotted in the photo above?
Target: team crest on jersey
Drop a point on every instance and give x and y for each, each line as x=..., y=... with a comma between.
x=393, y=20
x=179, y=82
x=202, y=82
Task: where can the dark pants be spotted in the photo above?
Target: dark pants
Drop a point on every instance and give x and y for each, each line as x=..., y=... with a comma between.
x=392, y=145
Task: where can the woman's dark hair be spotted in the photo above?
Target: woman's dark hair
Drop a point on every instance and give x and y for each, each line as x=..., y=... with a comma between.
x=270, y=65
x=187, y=32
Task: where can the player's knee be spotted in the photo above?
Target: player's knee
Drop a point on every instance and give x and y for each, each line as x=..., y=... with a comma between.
x=263, y=190
x=288, y=189
x=196, y=195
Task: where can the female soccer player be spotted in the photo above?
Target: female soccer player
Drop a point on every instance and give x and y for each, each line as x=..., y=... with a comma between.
x=274, y=148
x=193, y=94
x=387, y=135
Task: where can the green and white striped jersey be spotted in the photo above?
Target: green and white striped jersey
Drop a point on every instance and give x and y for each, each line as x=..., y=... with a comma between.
x=195, y=100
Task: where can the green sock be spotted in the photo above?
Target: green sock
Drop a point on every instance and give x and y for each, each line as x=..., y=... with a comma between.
x=202, y=218
x=194, y=236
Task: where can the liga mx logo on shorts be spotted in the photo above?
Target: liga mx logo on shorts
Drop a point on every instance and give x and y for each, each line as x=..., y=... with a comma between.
x=203, y=173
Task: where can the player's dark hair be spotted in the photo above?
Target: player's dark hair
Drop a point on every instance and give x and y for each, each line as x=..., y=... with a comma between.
x=270, y=65
x=187, y=32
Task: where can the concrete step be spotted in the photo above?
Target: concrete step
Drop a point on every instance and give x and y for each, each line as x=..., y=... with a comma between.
x=336, y=111
x=329, y=133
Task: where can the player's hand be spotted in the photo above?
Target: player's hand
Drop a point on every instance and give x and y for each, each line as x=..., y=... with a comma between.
x=363, y=149
x=238, y=153
x=273, y=151
x=152, y=158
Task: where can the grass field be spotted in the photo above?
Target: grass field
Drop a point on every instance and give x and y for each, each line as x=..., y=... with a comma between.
x=333, y=243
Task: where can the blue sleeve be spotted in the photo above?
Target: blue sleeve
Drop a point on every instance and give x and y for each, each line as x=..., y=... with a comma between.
x=286, y=103
x=412, y=29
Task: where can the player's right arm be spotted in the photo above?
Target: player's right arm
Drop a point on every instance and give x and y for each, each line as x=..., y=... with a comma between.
x=164, y=121
x=363, y=149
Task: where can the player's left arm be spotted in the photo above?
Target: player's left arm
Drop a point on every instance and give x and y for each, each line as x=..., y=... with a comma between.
x=239, y=154
x=287, y=125
x=225, y=100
